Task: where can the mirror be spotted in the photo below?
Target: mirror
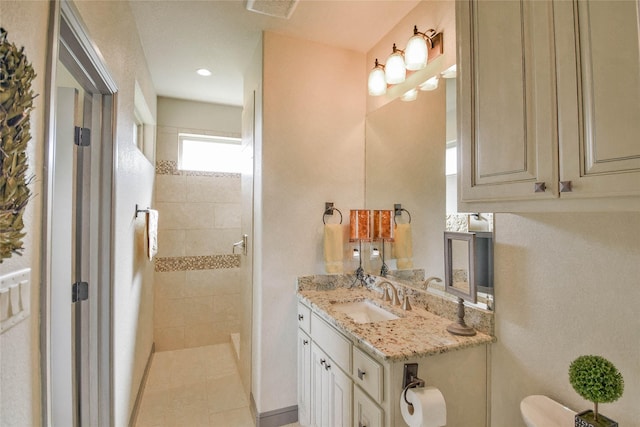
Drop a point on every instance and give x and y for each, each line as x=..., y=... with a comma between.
x=411, y=159
x=404, y=163
x=460, y=273
x=460, y=265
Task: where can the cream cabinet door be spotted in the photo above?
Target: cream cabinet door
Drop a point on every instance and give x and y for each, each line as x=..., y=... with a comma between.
x=304, y=378
x=319, y=388
x=340, y=396
x=365, y=412
x=331, y=392
x=598, y=59
x=506, y=100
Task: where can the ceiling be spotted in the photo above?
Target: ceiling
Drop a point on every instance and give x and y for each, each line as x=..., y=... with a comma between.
x=181, y=36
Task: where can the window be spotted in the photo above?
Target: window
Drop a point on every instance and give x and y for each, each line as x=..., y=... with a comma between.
x=210, y=153
x=144, y=130
x=451, y=163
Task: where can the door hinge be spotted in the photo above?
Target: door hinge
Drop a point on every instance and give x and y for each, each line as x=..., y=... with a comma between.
x=80, y=291
x=82, y=136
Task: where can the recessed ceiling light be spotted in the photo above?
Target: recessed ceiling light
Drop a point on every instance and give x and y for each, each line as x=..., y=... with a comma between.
x=203, y=72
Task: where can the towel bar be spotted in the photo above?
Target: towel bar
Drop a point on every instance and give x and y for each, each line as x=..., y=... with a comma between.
x=398, y=209
x=329, y=211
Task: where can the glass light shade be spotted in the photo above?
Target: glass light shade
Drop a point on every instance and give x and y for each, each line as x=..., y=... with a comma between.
x=395, y=70
x=450, y=73
x=431, y=84
x=410, y=95
x=416, y=53
x=383, y=225
x=359, y=225
x=377, y=83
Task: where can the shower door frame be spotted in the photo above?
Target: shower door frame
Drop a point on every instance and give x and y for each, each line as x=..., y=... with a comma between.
x=70, y=43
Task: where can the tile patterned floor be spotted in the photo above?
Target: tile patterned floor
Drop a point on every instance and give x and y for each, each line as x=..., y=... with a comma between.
x=194, y=387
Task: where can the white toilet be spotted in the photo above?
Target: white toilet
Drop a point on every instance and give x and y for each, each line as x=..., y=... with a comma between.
x=540, y=411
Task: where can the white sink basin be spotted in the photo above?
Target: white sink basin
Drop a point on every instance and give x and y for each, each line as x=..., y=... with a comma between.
x=364, y=312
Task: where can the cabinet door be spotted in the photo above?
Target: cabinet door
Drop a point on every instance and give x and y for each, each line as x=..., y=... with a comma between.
x=319, y=388
x=304, y=379
x=365, y=412
x=506, y=100
x=331, y=391
x=340, y=396
x=598, y=59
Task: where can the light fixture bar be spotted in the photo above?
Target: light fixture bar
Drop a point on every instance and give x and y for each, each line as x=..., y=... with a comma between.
x=421, y=48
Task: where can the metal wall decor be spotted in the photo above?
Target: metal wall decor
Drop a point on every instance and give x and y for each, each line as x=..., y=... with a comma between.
x=16, y=103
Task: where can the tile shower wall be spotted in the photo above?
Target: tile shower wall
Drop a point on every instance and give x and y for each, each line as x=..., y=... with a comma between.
x=196, y=276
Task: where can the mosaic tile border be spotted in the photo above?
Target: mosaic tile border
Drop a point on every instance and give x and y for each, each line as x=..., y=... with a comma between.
x=186, y=263
x=170, y=167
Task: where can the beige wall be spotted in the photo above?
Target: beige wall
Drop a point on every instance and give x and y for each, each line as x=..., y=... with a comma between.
x=19, y=346
x=566, y=284
x=180, y=113
x=312, y=152
x=199, y=216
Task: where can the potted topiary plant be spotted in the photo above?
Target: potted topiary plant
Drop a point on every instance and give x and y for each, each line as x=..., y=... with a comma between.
x=597, y=380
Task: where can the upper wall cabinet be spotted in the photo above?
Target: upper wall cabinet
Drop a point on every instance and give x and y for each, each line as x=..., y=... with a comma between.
x=548, y=104
x=598, y=68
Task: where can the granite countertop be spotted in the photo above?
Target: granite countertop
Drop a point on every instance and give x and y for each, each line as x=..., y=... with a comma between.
x=417, y=333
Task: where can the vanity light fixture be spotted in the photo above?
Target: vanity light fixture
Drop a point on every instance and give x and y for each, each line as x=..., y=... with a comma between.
x=410, y=95
x=383, y=231
x=416, y=53
x=377, y=81
x=450, y=73
x=395, y=70
x=359, y=231
x=421, y=47
x=430, y=84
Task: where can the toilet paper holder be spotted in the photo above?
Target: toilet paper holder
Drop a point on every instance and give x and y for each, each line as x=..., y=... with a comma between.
x=411, y=380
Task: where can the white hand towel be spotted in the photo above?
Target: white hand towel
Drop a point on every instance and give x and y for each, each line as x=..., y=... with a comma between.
x=333, y=248
x=152, y=233
x=403, y=247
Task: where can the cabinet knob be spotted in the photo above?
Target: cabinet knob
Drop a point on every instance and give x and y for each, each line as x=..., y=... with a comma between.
x=565, y=187
x=300, y=317
x=361, y=373
x=305, y=342
x=540, y=187
x=327, y=366
x=322, y=361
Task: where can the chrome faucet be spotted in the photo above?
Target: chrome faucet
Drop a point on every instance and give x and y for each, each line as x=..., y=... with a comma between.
x=430, y=279
x=394, y=293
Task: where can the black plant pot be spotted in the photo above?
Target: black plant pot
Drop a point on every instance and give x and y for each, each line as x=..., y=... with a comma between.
x=586, y=419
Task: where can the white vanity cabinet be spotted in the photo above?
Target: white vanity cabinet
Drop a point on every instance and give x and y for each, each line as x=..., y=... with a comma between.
x=340, y=383
x=325, y=388
x=548, y=103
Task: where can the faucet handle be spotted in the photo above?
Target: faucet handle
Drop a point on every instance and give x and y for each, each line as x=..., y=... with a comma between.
x=405, y=303
x=394, y=299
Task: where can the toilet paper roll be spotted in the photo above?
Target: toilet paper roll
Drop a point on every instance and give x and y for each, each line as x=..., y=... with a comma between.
x=429, y=408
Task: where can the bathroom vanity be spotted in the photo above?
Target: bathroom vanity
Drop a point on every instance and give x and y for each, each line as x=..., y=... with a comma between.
x=351, y=358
